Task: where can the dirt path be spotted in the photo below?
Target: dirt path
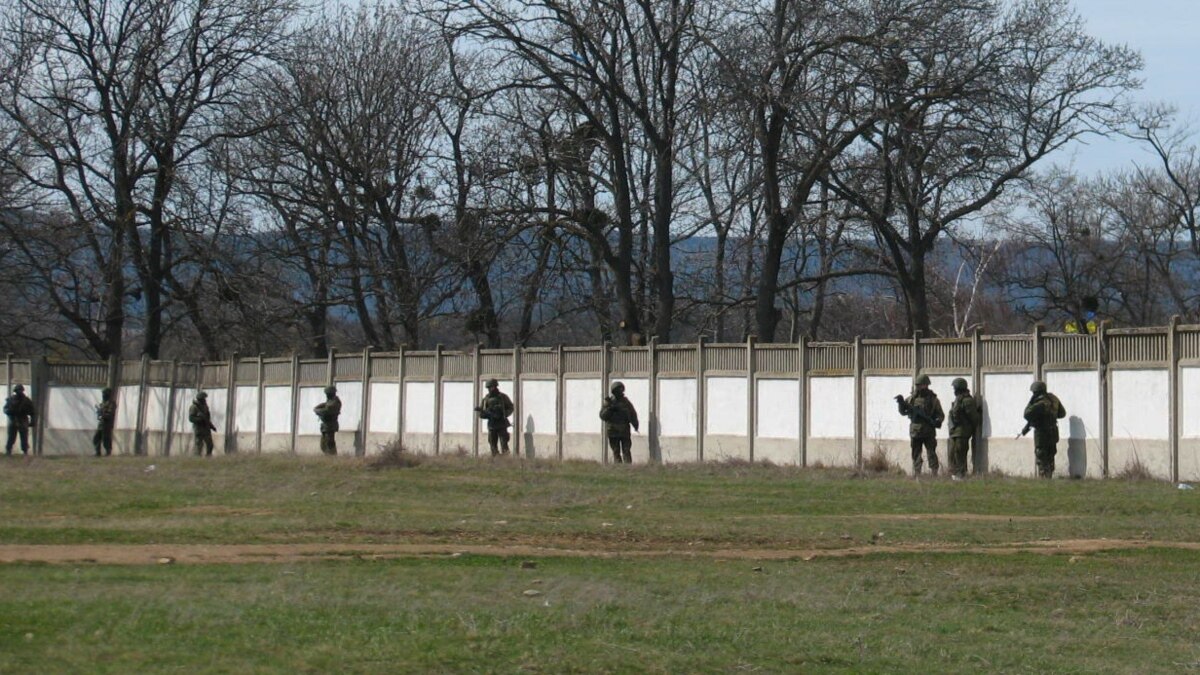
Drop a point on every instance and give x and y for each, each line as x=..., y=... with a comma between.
x=149, y=554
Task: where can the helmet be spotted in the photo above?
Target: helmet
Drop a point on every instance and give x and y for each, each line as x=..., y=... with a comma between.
x=617, y=387
x=201, y=394
x=923, y=379
x=1038, y=387
x=492, y=383
x=331, y=389
x=959, y=384
x=19, y=389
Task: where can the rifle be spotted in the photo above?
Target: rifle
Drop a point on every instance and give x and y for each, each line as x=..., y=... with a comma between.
x=915, y=412
x=1026, y=430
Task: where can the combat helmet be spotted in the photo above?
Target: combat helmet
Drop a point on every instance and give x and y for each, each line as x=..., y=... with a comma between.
x=1038, y=387
x=617, y=388
x=923, y=379
x=959, y=384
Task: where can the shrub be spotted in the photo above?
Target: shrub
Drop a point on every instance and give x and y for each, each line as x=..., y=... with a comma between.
x=393, y=455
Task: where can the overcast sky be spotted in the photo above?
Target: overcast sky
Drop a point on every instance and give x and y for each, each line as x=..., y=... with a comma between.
x=1167, y=33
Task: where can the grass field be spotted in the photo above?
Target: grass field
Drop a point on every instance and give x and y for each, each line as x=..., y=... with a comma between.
x=276, y=564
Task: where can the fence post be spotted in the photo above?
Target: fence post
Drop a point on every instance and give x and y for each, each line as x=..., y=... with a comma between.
x=560, y=398
x=139, y=434
x=1038, y=357
x=1173, y=394
x=258, y=412
x=605, y=371
x=437, y=399
x=364, y=414
x=39, y=378
x=230, y=403
x=751, y=396
x=802, y=367
x=654, y=449
x=330, y=367
x=916, y=355
x=860, y=405
x=400, y=398
x=1102, y=370
x=169, y=414
x=295, y=400
x=516, y=397
x=476, y=374
x=700, y=399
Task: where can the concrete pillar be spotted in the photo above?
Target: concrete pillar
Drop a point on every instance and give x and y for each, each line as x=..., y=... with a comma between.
x=364, y=415
x=437, y=399
x=230, y=403
x=400, y=399
x=295, y=400
x=859, y=404
x=139, y=433
x=476, y=375
x=560, y=396
x=1105, y=397
x=700, y=399
x=1173, y=394
x=516, y=397
x=977, y=450
x=802, y=350
x=258, y=414
x=169, y=413
x=652, y=437
x=751, y=396
x=605, y=372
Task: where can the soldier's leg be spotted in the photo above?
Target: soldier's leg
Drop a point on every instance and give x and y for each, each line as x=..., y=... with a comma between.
x=96, y=438
x=1045, y=460
x=12, y=438
x=108, y=432
x=24, y=440
x=614, y=444
x=208, y=445
x=493, y=438
x=626, y=446
x=197, y=444
x=958, y=456
x=917, y=462
x=931, y=450
x=504, y=437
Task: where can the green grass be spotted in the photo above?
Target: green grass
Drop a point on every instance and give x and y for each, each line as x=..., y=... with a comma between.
x=1118, y=611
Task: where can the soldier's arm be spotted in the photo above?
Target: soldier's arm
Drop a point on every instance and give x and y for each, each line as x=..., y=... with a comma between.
x=508, y=406
x=938, y=416
x=633, y=418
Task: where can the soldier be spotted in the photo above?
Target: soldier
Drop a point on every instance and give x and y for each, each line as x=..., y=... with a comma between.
x=495, y=408
x=1042, y=415
x=202, y=425
x=965, y=418
x=328, y=412
x=106, y=417
x=925, y=412
x=618, y=415
x=19, y=410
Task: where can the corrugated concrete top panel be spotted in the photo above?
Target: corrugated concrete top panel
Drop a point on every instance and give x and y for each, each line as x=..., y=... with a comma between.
x=1189, y=344
x=1061, y=349
x=277, y=371
x=314, y=371
x=67, y=372
x=631, y=360
x=420, y=364
x=725, y=357
x=830, y=357
x=676, y=359
x=496, y=362
x=1140, y=347
x=214, y=374
x=457, y=364
x=946, y=354
x=539, y=361
x=130, y=372
x=1006, y=351
x=385, y=366
x=583, y=359
x=894, y=355
x=348, y=367
x=778, y=359
x=247, y=371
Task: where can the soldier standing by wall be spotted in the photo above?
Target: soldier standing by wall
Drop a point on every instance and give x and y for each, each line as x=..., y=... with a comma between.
x=202, y=426
x=495, y=408
x=106, y=417
x=619, y=415
x=328, y=413
x=925, y=412
x=19, y=409
x=1042, y=415
x=965, y=418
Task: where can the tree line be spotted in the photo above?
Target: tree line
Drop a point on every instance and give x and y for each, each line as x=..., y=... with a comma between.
x=201, y=177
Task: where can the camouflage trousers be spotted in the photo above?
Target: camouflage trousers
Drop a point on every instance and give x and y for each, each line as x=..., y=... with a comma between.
x=15, y=430
x=103, y=438
x=204, y=442
x=620, y=448
x=329, y=442
x=929, y=443
x=498, y=441
x=1044, y=454
x=959, y=449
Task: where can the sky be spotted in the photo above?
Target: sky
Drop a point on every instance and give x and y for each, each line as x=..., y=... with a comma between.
x=1167, y=33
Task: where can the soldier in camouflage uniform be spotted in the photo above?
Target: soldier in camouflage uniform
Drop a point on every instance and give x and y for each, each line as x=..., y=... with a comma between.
x=20, y=412
x=496, y=408
x=1042, y=415
x=328, y=413
x=202, y=426
x=619, y=415
x=106, y=417
x=965, y=419
x=925, y=412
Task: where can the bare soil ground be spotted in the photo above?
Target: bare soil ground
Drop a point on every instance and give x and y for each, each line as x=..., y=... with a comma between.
x=145, y=554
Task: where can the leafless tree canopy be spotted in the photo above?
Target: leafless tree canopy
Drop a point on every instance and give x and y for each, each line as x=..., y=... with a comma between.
x=205, y=177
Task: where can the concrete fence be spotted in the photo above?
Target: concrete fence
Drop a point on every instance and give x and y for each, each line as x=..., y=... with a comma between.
x=1132, y=396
